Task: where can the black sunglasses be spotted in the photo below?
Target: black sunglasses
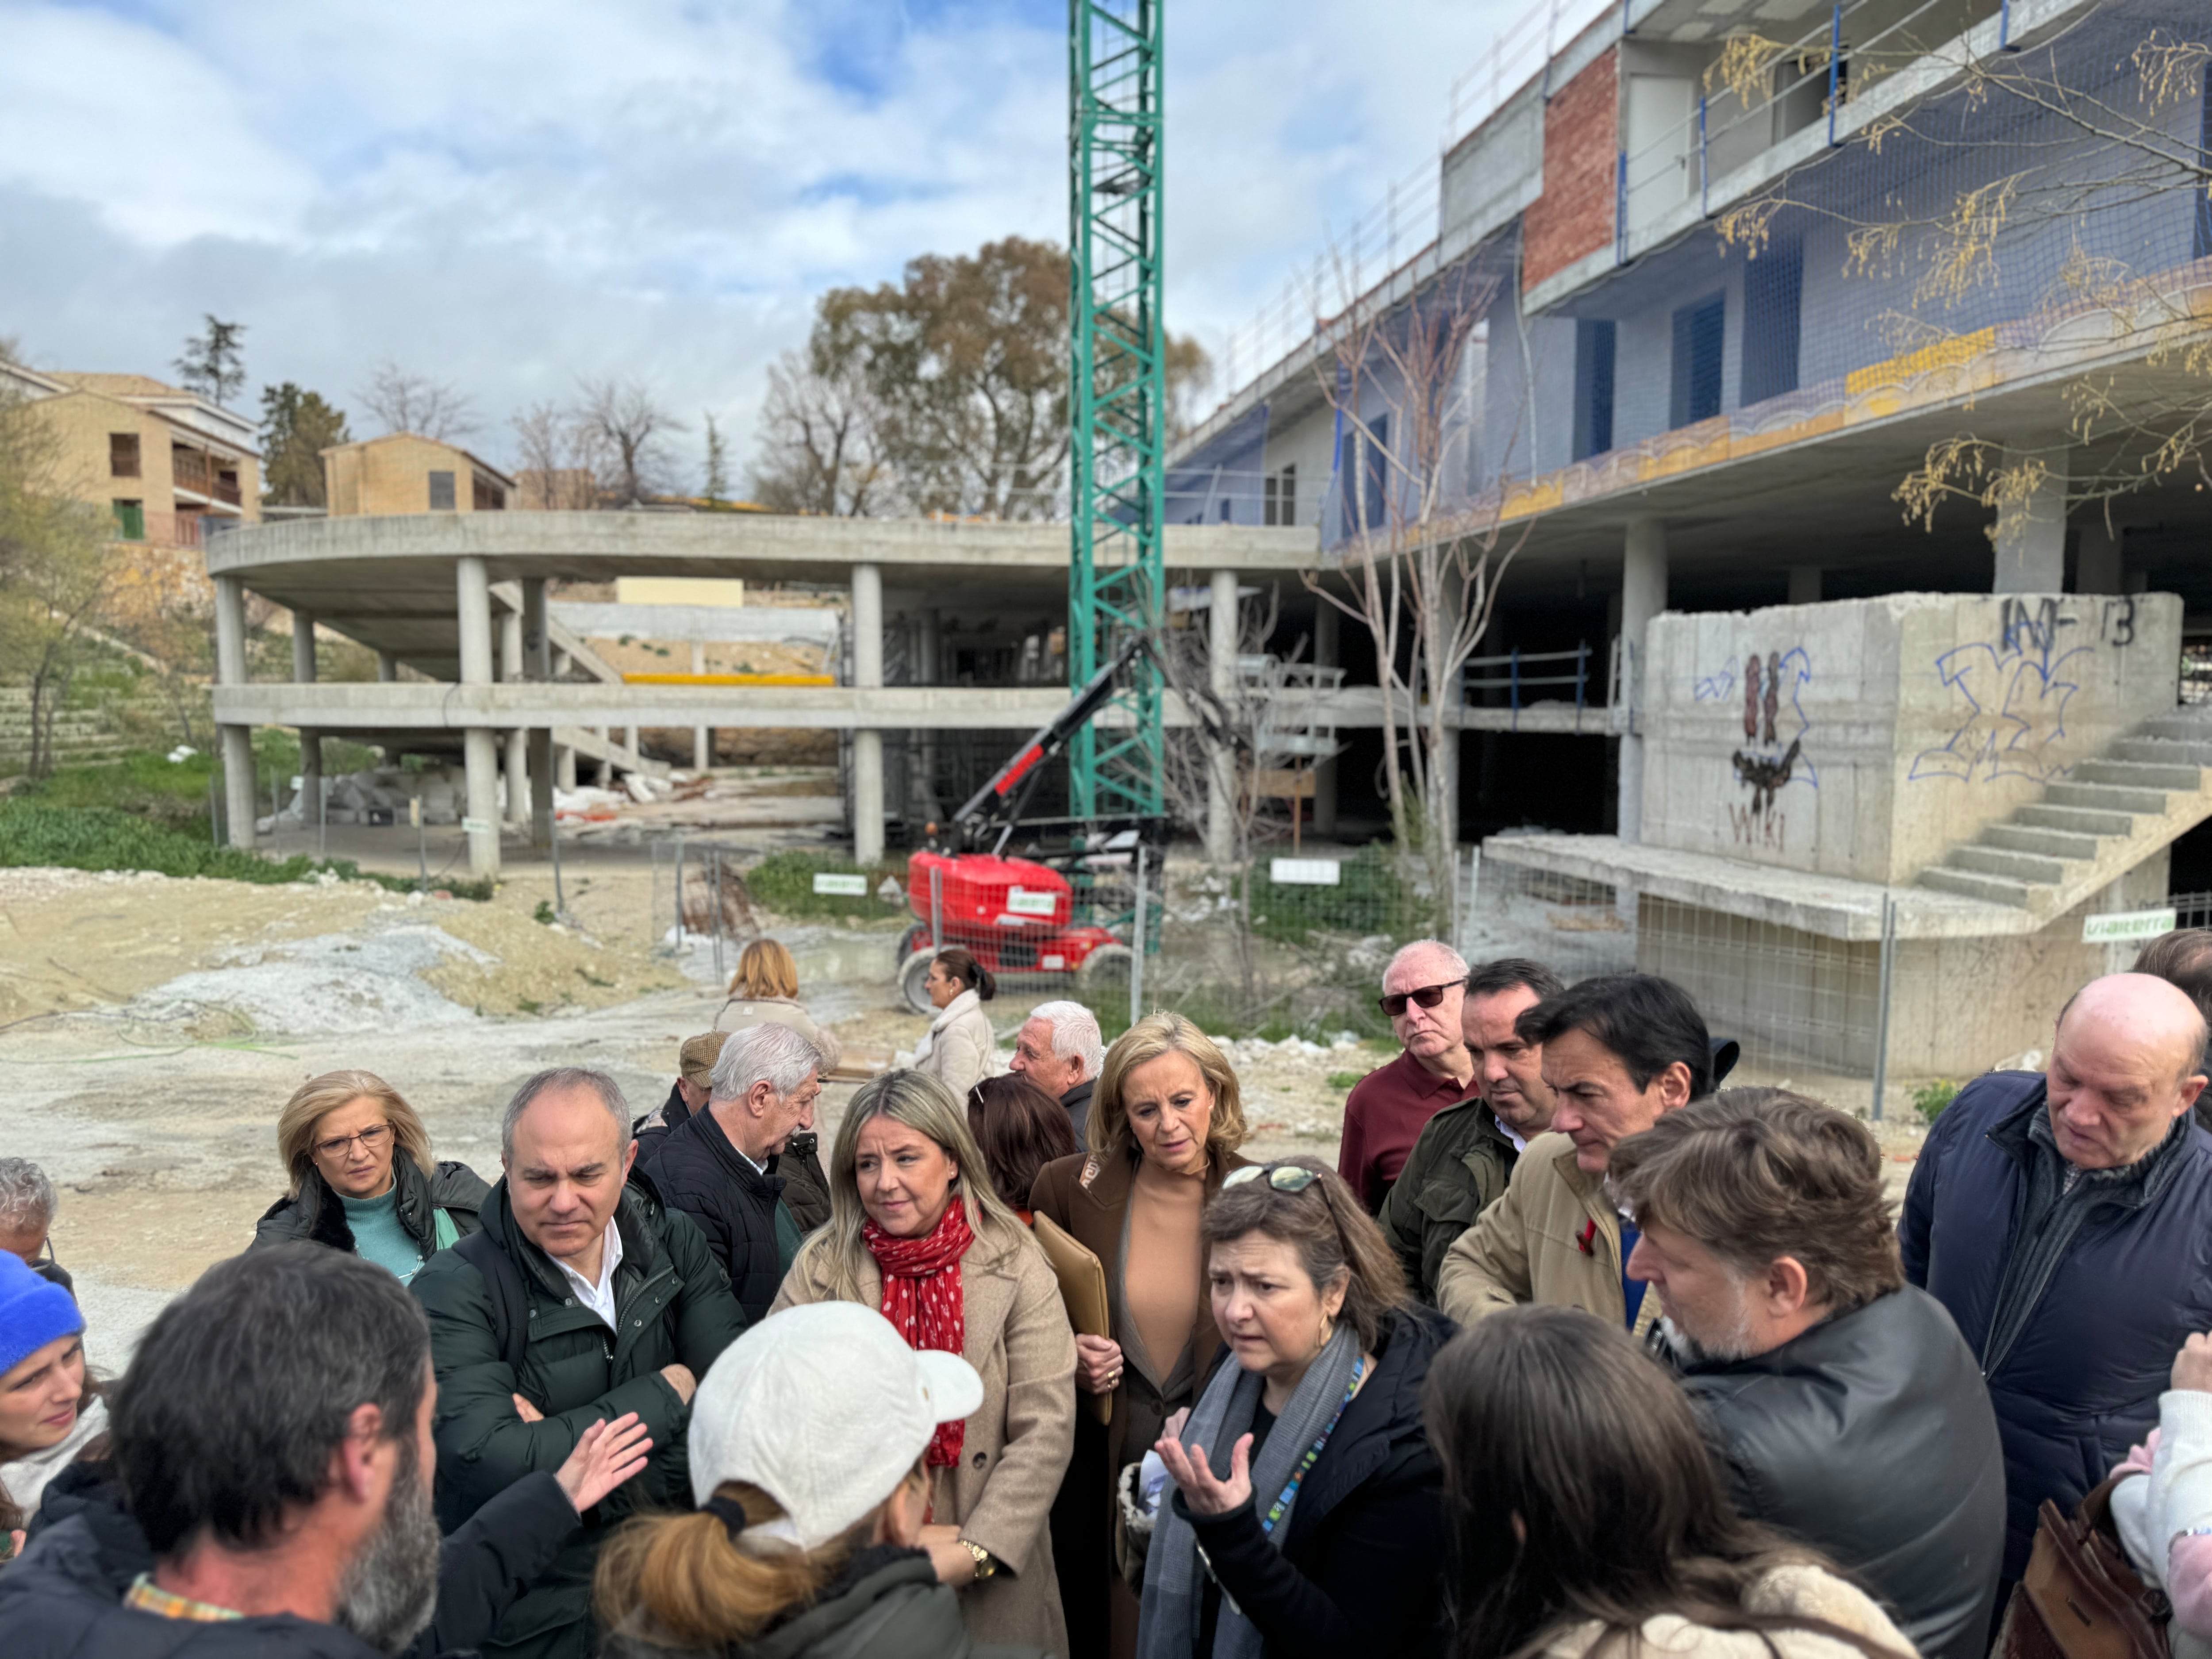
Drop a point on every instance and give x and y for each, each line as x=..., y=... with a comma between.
x=1428, y=996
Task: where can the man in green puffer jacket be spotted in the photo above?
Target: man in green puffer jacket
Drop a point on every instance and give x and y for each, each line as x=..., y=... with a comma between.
x=583, y=1298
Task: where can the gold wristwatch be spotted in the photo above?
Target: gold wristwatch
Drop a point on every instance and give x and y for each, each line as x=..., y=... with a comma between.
x=985, y=1567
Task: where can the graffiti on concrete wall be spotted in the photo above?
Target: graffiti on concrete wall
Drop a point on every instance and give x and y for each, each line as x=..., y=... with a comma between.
x=2012, y=692
x=1774, y=727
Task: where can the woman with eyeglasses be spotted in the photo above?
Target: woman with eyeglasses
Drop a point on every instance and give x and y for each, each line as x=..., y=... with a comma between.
x=1165, y=1122
x=362, y=1179
x=1303, y=1514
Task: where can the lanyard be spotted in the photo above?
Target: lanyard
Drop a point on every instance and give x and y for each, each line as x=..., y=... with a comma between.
x=1313, y=1452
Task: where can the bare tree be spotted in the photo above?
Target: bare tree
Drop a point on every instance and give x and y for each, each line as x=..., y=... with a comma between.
x=634, y=428
x=821, y=436
x=407, y=402
x=560, y=460
x=2070, y=136
x=1422, y=571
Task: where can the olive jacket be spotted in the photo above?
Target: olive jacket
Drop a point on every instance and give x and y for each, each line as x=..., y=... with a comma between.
x=1018, y=1442
x=1553, y=1239
x=673, y=1306
x=1457, y=1169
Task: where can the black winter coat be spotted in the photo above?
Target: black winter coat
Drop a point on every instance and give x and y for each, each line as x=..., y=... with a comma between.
x=315, y=1213
x=482, y=1569
x=887, y=1604
x=2113, y=1281
x=1870, y=1437
x=1361, y=1570
x=696, y=1170
x=672, y=1306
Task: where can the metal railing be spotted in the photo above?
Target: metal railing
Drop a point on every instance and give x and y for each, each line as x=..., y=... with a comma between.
x=1513, y=681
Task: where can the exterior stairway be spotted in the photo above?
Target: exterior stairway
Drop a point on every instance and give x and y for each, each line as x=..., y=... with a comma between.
x=2105, y=818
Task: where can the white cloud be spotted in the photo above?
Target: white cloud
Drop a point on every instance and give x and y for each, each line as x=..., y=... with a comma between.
x=512, y=194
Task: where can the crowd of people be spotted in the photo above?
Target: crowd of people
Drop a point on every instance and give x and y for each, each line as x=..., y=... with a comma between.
x=1572, y=1349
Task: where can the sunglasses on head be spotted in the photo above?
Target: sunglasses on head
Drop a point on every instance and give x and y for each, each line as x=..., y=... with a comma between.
x=1282, y=1177
x=1428, y=996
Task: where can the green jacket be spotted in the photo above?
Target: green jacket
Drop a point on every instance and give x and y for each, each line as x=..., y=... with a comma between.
x=1457, y=1169
x=673, y=1307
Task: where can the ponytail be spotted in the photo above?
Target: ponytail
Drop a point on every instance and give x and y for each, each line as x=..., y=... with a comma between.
x=687, y=1580
x=972, y=973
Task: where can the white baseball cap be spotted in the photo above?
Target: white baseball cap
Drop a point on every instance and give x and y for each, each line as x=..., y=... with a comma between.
x=826, y=1409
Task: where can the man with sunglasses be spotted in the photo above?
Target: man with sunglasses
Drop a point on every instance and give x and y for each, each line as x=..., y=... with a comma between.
x=1619, y=1052
x=1423, y=990
x=1460, y=1166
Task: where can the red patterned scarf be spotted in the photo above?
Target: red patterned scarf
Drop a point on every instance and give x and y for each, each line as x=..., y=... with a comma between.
x=923, y=1298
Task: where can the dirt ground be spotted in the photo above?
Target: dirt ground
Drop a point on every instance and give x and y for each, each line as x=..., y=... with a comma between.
x=151, y=1028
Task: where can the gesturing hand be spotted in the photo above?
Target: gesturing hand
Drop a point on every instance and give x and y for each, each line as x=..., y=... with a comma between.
x=606, y=1455
x=2192, y=1366
x=1195, y=1475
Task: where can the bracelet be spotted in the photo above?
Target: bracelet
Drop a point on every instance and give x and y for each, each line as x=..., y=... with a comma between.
x=985, y=1567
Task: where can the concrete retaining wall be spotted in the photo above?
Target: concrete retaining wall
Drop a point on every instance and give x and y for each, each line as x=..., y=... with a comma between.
x=1863, y=738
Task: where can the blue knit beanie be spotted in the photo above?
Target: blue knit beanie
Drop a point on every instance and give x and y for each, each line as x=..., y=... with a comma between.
x=32, y=1312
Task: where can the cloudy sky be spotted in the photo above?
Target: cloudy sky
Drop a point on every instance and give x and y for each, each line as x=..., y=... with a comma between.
x=511, y=195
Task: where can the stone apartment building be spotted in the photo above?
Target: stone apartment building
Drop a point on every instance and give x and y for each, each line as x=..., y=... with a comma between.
x=402, y=472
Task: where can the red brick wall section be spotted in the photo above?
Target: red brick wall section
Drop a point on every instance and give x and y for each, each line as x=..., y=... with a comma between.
x=1573, y=218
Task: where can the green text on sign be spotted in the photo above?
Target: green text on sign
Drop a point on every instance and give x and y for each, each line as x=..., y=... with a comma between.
x=2117, y=926
x=841, y=886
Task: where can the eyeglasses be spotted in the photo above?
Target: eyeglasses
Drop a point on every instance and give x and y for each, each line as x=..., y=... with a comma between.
x=1282, y=1177
x=372, y=1141
x=1428, y=996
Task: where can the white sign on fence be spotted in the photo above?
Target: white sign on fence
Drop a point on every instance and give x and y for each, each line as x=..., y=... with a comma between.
x=2117, y=926
x=1304, y=873
x=1023, y=904
x=473, y=826
x=841, y=886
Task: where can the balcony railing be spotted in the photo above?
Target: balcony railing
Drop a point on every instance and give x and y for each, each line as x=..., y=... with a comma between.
x=190, y=470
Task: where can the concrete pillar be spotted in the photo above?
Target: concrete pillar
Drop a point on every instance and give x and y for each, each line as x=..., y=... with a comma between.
x=537, y=669
x=702, y=737
x=2031, y=528
x=2098, y=566
x=564, y=767
x=1642, y=596
x=1327, y=620
x=387, y=668
x=233, y=743
x=867, y=620
x=1805, y=584
x=510, y=647
x=311, y=741
x=929, y=653
x=606, y=775
x=515, y=747
x=1221, y=676
x=479, y=748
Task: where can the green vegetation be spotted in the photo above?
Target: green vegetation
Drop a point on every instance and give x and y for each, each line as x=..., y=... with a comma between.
x=1346, y=1079
x=1930, y=1099
x=147, y=784
x=784, y=883
x=1369, y=897
x=37, y=832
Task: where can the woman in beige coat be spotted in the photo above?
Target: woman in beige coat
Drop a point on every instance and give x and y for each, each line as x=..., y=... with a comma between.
x=914, y=1234
x=764, y=991
x=1589, y=1519
x=959, y=1049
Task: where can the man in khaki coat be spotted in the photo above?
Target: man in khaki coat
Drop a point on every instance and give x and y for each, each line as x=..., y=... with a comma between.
x=1619, y=1052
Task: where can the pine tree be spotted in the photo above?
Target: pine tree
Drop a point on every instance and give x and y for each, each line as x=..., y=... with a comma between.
x=214, y=365
x=296, y=427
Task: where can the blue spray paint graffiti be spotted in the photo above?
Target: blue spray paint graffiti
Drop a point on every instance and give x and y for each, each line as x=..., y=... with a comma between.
x=2016, y=690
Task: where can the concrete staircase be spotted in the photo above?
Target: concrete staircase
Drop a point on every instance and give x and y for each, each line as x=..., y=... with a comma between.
x=2108, y=815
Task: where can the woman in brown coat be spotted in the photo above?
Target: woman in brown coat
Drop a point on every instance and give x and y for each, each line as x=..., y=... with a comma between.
x=1165, y=1124
x=915, y=1231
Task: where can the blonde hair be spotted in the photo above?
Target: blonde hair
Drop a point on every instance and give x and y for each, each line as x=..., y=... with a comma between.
x=1158, y=1034
x=318, y=1097
x=683, y=1578
x=765, y=970
x=925, y=1106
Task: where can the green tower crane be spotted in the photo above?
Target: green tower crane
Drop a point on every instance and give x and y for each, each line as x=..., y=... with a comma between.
x=1118, y=401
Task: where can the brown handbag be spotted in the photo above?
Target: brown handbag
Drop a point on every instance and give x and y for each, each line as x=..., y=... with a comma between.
x=2080, y=1599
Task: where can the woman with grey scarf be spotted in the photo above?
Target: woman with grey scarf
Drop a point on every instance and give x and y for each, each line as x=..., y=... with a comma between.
x=1303, y=1518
